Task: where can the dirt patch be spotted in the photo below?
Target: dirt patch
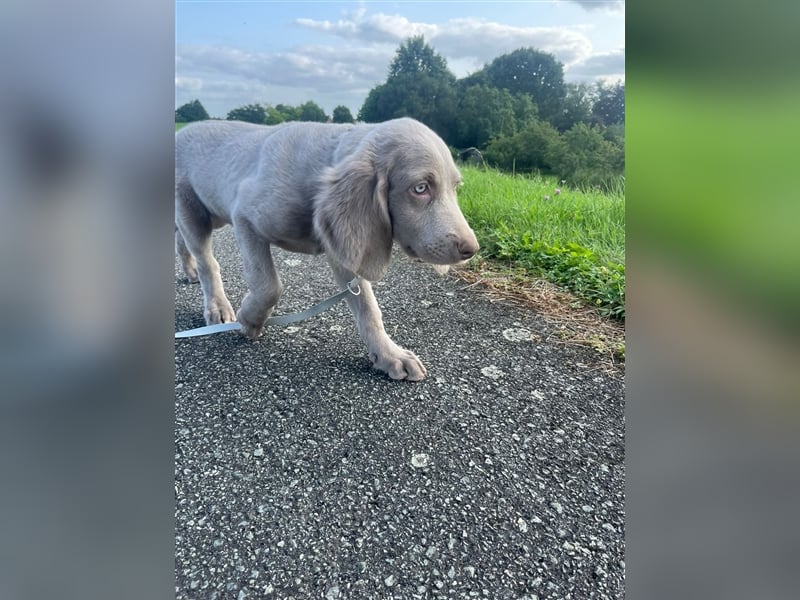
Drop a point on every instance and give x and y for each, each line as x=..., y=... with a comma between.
x=574, y=321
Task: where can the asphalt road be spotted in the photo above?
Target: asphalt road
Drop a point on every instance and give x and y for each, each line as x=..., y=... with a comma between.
x=301, y=472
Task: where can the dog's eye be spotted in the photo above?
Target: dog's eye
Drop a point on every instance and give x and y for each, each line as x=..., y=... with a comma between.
x=420, y=188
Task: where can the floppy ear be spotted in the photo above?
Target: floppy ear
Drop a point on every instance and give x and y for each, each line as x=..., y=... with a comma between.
x=351, y=217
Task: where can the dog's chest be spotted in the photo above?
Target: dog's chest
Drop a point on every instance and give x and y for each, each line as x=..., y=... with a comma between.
x=304, y=246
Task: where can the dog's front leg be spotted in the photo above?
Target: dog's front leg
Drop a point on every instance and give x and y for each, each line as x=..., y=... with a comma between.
x=264, y=285
x=385, y=355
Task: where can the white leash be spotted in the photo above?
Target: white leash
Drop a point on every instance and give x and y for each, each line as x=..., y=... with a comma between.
x=351, y=288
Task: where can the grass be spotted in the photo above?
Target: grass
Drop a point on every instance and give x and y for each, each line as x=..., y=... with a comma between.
x=573, y=238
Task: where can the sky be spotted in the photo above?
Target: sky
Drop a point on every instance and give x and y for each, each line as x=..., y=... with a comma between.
x=229, y=53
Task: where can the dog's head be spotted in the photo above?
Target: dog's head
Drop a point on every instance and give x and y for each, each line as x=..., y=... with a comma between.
x=398, y=184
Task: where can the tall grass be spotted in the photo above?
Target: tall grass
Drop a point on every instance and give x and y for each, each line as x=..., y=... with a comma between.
x=572, y=237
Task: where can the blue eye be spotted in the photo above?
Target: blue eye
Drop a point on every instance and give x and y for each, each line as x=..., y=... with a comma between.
x=420, y=188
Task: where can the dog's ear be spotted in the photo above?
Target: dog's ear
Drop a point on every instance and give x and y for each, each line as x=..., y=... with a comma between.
x=351, y=217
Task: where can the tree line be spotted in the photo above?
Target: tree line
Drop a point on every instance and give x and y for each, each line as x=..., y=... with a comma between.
x=517, y=111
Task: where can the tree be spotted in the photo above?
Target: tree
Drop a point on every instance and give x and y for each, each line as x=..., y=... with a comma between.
x=191, y=111
x=576, y=108
x=252, y=113
x=423, y=97
x=311, y=111
x=484, y=113
x=342, y=114
x=274, y=116
x=535, y=148
x=289, y=113
x=419, y=86
x=609, y=106
x=415, y=57
x=530, y=71
x=587, y=158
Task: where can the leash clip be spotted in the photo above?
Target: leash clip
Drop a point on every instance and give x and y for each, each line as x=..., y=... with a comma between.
x=351, y=283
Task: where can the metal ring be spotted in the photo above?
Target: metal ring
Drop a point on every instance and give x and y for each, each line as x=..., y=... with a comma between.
x=355, y=292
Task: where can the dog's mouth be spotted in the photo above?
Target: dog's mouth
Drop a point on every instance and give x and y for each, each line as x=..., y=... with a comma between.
x=439, y=263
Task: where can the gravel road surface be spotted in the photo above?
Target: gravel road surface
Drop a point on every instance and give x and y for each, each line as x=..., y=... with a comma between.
x=301, y=472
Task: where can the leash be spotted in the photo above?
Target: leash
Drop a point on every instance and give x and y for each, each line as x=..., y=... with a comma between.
x=352, y=287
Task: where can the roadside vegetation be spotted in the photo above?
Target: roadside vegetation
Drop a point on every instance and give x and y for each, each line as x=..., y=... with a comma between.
x=574, y=238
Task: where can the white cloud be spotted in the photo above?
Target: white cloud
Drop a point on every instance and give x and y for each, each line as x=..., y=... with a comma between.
x=188, y=84
x=606, y=66
x=358, y=56
x=376, y=27
x=317, y=67
x=605, y=5
x=468, y=42
x=231, y=77
x=484, y=41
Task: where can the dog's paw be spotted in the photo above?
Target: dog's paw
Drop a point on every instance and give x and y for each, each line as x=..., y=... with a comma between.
x=252, y=319
x=219, y=311
x=399, y=363
x=251, y=331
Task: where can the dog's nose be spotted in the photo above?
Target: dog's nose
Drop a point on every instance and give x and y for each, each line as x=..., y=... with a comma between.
x=468, y=248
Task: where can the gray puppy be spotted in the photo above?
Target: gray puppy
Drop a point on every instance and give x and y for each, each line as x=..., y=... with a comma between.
x=349, y=191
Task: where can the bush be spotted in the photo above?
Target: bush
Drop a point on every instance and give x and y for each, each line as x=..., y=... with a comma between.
x=531, y=150
x=587, y=159
x=586, y=156
x=190, y=112
x=251, y=113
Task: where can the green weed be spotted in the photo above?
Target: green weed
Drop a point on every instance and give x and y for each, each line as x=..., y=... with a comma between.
x=573, y=238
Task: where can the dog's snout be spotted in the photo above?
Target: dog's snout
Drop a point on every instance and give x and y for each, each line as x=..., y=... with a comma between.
x=467, y=248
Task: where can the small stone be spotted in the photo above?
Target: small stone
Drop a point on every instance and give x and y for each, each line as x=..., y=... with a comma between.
x=420, y=460
x=470, y=571
x=600, y=572
x=557, y=507
x=522, y=525
x=258, y=452
x=390, y=581
x=431, y=552
x=492, y=372
x=332, y=593
x=517, y=334
x=587, y=508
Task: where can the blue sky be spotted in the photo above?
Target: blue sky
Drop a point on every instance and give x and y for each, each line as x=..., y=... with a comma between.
x=230, y=53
